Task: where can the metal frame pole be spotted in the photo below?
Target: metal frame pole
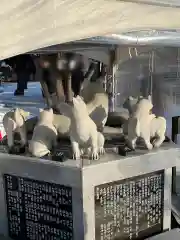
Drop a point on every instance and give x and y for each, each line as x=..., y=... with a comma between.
x=175, y=129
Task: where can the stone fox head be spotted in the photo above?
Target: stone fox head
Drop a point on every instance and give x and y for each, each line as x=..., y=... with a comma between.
x=76, y=108
x=130, y=103
x=14, y=121
x=79, y=105
x=46, y=115
x=19, y=116
x=144, y=106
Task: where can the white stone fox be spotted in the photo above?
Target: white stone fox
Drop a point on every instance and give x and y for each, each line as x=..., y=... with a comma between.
x=44, y=134
x=129, y=104
x=14, y=121
x=146, y=125
x=97, y=103
x=83, y=131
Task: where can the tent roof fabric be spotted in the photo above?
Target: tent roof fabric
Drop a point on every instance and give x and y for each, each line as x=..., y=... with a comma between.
x=27, y=25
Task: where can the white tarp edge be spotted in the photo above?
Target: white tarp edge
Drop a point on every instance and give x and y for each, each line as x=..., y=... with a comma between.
x=26, y=25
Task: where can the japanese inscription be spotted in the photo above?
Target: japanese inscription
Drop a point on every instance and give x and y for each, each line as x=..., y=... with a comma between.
x=38, y=210
x=130, y=208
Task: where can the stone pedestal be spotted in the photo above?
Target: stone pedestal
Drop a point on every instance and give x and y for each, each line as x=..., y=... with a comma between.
x=113, y=198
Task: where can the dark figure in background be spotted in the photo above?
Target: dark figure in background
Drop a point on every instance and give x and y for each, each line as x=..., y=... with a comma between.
x=24, y=67
x=77, y=79
x=75, y=67
x=70, y=71
x=11, y=61
x=61, y=75
x=51, y=91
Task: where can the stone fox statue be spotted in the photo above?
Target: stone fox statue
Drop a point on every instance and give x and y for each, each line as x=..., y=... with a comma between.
x=96, y=100
x=44, y=134
x=129, y=104
x=83, y=131
x=146, y=125
x=14, y=121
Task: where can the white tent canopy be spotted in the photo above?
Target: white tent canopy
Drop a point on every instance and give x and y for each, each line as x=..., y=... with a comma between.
x=27, y=25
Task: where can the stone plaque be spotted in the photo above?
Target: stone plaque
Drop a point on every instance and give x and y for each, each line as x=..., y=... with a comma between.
x=38, y=210
x=130, y=208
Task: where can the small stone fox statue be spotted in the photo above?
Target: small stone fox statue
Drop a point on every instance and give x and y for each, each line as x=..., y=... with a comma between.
x=14, y=122
x=44, y=134
x=130, y=104
x=97, y=102
x=142, y=123
x=83, y=131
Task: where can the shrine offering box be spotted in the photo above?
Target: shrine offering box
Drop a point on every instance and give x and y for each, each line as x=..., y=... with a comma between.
x=171, y=235
x=113, y=198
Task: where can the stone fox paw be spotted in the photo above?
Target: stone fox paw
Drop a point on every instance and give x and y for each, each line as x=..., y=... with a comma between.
x=94, y=155
x=101, y=150
x=76, y=155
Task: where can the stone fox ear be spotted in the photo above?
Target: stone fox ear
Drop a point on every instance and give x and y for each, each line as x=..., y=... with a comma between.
x=82, y=98
x=41, y=110
x=11, y=126
x=76, y=101
x=79, y=98
x=130, y=98
x=50, y=110
x=18, y=117
x=24, y=113
x=17, y=113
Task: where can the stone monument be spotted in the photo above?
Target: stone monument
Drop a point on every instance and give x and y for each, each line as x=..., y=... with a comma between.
x=114, y=198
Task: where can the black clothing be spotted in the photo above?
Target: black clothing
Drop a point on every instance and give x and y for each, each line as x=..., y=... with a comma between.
x=22, y=80
x=24, y=63
x=77, y=78
x=24, y=67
